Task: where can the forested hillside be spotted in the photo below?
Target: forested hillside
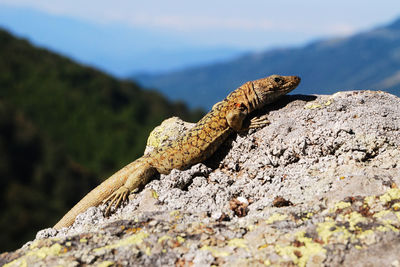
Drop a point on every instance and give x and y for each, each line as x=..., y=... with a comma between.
x=64, y=128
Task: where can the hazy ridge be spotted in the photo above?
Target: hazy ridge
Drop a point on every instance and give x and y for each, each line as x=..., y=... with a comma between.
x=367, y=60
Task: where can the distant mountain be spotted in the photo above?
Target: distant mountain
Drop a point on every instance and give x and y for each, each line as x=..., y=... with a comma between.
x=368, y=60
x=63, y=129
x=116, y=49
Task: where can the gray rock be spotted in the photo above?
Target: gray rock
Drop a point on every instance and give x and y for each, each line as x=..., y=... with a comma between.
x=317, y=187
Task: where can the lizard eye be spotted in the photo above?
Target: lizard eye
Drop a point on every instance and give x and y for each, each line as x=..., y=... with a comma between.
x=241, y=106
x=277, y=80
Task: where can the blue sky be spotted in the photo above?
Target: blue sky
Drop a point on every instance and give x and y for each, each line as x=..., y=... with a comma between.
x=254, y=24
x=124, y=37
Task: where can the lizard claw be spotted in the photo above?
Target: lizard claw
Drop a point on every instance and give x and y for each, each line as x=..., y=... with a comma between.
x=116, y=199
x=259, y=122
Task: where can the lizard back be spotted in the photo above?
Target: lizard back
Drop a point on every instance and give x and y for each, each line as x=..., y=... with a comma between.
x=198, y=144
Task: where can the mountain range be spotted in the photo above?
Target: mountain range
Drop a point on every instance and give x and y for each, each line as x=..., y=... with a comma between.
x=367, y=60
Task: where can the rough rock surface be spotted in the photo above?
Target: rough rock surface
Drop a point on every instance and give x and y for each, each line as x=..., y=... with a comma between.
x=317, y=187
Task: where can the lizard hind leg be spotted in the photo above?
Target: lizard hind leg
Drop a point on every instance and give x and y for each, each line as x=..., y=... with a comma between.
x=116, y=198
x=138, y=177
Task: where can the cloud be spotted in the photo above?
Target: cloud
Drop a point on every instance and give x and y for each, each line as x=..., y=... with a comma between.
x=179, y=16
x=186, y=23
x=290, y=17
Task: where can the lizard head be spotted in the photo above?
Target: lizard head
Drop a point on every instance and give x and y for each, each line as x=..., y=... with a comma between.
x=268, y=89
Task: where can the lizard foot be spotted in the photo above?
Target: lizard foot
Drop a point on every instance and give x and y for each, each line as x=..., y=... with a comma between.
x=259, y=122
x=116, y=199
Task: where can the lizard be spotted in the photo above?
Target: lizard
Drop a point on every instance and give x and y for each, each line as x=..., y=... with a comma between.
x=195, y=146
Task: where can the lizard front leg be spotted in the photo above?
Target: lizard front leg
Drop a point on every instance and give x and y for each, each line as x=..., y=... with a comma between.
x=236, y=116
x=140, y=176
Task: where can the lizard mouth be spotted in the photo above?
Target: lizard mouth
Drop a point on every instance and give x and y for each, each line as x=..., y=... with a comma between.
x=291, y=82
x=296, y=80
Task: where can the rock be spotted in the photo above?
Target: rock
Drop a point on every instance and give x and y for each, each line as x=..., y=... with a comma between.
x=333, y=162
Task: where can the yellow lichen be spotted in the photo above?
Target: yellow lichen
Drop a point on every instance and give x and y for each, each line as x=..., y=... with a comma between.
x=382, y=228
x=307, y=216
x=251, y=227
x=46, y=251
x=301, y=254
x=276, y=217
x=369, y=200
x=165, y=237
x=391, y=227
x=154, y=138
x=154, y=194
x=216, y=252
x=134, y=239
x=238, y=243
x=385, y=217
x=267, y=263
x=354, y=218
x=313, y=106
x=350, y=225
x=34, y=244
x=148, y=251
x=40, y=253
x=391, y=194
x=180, y=239
x=105, y=264
x=329, y=228
x=20, y=262
x=341, y=205
x=163, y=132
x=174, y=213
x=321, y=104
x=381, y=213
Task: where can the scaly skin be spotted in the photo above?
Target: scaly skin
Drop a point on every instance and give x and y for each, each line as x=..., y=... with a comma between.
x=198, y=144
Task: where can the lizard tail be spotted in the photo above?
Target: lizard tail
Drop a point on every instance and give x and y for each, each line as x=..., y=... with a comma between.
x=101, y=192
